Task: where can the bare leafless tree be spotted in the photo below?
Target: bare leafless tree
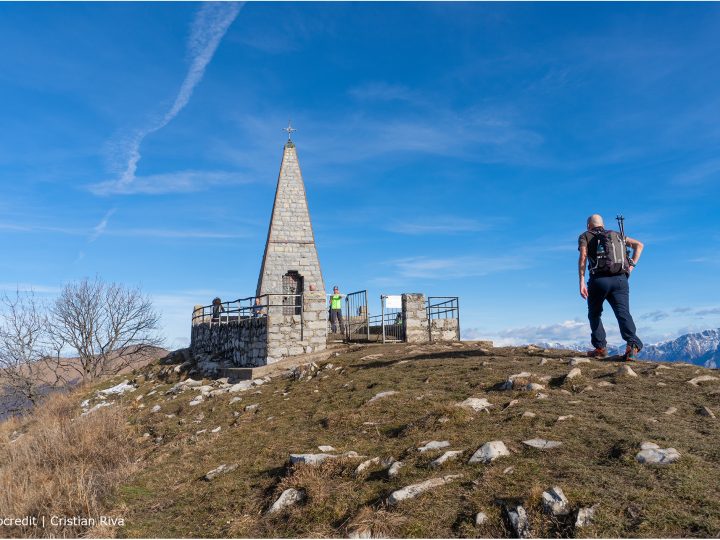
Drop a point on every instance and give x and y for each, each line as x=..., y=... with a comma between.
x=107, y=325
x=28, y=360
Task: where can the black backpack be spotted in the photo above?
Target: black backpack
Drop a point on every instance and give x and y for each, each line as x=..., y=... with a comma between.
x=608, y=250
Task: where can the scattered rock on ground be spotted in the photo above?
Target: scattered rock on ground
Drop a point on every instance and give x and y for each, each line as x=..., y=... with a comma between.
x=310, y=459
x=96, y=407
x=651, y=454
x=511, y=403
x=475, y=404
x=574, y=361
x=413, y=490
x=289, y=497
x=434, y=445
x=626, y=371
x=326, y=448
x=517, y=516
x=702, y=378
x=574, y=372
x=585, y=516
x=381, y=395
x=481, y=517
x=447, y=456
x=197, y=400
x=671, y=410
x=555, y=502
x=118, y=389
x=705, y=411
x=490, y=451
x=222, y=469
x=387, y=462
x=542, y=444
x=510, y=382
x=251, y=407
x=528, y=414
x=240, y=387
x=395, y=469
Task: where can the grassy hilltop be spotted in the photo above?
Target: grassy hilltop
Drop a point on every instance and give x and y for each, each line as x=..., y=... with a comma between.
x=145, y=458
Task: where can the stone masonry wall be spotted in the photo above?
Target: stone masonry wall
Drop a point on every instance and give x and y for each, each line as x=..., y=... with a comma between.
x=234, y=344
x=444, y=330
x=415, y=318
x=289, y=335
x=418, y=329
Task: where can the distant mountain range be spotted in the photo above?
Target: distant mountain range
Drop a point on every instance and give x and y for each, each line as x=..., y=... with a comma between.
x=701, y=348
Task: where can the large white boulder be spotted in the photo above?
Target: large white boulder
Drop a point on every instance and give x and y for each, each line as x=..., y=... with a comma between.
x=490, y=451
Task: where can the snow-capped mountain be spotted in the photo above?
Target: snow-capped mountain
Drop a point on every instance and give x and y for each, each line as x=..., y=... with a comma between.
x=701, y=348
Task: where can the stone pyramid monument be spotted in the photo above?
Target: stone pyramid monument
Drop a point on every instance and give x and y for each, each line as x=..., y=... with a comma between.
x=290, y=263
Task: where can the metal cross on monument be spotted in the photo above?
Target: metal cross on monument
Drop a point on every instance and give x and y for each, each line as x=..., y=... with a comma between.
x=290, y=130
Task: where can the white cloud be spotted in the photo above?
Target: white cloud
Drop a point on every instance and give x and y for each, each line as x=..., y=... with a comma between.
x=571, y=333
x=456, y=267
x=177, y=182
x=704, y=172
x=99, y=229
x=210, y=24
x=382, y=91
x=30, y=287
x=177, y=233
x=439, y=225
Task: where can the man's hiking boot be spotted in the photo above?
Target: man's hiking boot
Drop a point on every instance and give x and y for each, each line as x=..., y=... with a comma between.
x=631, y=352
x=599, y=353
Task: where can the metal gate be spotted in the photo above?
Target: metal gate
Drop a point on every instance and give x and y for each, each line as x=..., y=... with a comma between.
x=357, y=320
x=391, y=320
x=292, y=285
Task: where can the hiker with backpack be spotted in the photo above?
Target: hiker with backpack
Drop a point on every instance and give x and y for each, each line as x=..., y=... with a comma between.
x=610, y=264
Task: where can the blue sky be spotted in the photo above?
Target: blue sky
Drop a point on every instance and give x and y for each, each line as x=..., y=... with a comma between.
x=450, y=149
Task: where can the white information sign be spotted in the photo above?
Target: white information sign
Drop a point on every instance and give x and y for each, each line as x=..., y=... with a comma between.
x=393, y=301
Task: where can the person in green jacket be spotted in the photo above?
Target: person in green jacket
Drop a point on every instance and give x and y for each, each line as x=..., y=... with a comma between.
x=336, y=320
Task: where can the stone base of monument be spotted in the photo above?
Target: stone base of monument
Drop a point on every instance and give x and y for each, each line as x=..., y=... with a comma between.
x=236, y=374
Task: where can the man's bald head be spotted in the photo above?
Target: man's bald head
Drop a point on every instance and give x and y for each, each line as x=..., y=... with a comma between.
x=595, y=220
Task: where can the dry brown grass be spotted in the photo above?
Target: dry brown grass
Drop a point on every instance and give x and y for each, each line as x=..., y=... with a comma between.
x=62, y=464
x=595, y=465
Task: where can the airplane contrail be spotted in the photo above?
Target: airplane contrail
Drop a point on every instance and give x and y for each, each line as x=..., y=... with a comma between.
x=210, y=25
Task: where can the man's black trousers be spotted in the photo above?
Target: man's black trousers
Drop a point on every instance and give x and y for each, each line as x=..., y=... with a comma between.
x=616, y=291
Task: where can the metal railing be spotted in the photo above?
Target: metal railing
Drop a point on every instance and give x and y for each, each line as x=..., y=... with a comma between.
x=443, y=307
x=248, y=308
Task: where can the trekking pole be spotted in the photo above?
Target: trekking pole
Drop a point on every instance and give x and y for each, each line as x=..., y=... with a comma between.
x=621, y=225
